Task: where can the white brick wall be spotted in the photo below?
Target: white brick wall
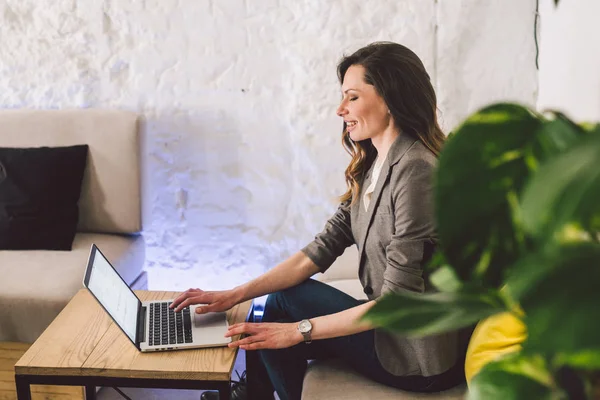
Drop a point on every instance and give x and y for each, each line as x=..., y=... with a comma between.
x=243, y=160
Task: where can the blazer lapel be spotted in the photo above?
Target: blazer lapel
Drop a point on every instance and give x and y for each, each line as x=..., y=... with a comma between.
x=381, y=181
x=402, y=143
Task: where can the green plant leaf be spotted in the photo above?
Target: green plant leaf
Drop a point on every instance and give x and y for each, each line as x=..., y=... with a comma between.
x=445, y=279
x=590, y=127
x=482, y=171
x=438, y=260
x=565, y=190
x=556, y=135
x=514, y=377
x=588, y=360
x=478, y=167
x=416, y=314
x=558, y=292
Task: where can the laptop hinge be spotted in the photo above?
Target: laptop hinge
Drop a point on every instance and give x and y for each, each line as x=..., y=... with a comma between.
x=141, y=334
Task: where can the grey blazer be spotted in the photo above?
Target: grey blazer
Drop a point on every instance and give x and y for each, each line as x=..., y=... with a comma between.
x=395, y=237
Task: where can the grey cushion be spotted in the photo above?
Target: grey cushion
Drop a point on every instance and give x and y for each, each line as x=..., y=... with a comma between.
x=37, y=284
x=332, y=380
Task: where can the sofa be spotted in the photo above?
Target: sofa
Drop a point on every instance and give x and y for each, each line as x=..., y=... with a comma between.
x=329, y=379
x=37, y=284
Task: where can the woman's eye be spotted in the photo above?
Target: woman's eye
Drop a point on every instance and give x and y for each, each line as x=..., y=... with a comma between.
x=353, y=98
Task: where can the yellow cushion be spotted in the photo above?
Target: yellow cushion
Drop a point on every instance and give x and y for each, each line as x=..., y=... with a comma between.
x=493, y=337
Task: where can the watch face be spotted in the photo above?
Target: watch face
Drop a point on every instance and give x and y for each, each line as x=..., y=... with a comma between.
x=304, y=326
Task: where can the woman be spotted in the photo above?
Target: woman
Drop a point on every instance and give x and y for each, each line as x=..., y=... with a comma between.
x=391, y=131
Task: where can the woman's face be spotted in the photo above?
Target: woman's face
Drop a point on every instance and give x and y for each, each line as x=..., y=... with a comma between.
x=363, y=109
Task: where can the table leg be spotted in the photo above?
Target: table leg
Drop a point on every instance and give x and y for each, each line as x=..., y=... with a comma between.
x=252, y=378
x=90, y=392
x=23, y=388
x=252, y=360
x=224, y=392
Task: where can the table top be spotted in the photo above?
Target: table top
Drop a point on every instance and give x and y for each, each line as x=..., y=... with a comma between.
x=84, y=341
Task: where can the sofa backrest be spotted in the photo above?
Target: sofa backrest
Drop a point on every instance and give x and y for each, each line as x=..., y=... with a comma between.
x=110, y=199
x=344, y=267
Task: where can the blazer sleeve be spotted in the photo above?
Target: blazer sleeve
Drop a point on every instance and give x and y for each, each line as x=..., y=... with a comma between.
x=414, y=228
x=333, y=240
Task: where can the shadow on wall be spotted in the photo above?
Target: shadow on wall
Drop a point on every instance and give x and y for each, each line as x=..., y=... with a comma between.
x=191, y=163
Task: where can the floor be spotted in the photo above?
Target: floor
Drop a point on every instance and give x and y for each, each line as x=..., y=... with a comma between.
x=170, y=394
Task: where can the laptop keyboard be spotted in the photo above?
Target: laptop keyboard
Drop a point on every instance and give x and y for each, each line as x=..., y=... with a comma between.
x=168, y=326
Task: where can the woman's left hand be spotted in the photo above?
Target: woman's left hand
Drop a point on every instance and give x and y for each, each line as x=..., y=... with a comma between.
x=265, y=335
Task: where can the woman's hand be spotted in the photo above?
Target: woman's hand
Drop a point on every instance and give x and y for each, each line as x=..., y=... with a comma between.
x=265, y=335
x=215, y=301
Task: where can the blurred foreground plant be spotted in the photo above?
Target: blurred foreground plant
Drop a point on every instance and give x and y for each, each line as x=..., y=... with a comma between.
x=517, y=198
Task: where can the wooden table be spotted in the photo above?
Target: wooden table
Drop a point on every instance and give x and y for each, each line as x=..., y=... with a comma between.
x=83, y=347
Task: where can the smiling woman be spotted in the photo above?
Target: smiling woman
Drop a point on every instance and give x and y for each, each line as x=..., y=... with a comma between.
x=385, y=89
x=391, y=131
x=363, y=109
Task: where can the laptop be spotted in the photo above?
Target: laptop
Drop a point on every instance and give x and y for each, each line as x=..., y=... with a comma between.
x=151, y=325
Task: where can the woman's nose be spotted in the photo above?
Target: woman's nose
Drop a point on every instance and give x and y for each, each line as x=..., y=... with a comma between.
x=341, y=110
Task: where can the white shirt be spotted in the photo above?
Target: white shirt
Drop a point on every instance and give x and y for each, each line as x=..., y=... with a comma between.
x=374, y=177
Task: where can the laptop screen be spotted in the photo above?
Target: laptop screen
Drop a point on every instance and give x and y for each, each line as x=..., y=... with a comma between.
x=112, y=292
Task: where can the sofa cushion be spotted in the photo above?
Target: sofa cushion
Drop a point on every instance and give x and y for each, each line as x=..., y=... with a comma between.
x=344, y=267
x=39, y=191
x=330, y=379
x=110, y=196
x=37, y=284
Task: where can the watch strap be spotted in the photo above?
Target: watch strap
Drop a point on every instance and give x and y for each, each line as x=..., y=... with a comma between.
x=307, y=337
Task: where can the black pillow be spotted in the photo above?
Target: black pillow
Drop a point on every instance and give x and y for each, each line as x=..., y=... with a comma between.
x=39, y=191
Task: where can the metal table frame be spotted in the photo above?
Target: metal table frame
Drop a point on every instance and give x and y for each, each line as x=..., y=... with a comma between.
x=91, y=382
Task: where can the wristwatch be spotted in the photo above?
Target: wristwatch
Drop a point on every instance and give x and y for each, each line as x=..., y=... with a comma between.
x=305, y=328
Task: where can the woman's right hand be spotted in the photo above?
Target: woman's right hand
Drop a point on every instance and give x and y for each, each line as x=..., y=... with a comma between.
x=221, y=300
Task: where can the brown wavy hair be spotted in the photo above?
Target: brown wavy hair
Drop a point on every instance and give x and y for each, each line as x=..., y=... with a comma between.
x=401, y=80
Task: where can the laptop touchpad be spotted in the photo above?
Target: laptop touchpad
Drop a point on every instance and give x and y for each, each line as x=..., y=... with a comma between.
x=209, y=319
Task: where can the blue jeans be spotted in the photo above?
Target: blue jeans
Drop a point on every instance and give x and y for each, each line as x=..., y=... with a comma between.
x=283, y=369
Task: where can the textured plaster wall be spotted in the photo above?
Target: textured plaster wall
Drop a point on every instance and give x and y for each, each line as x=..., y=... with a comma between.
x=485, y=54
x=242, y=157
x=570, y=58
